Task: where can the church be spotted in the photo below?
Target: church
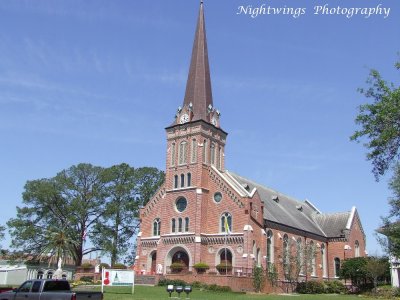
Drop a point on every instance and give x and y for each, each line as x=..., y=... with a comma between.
x=206, y=214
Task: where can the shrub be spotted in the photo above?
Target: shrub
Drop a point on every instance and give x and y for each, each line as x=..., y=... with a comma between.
x=165, y=282
x=310, y=287
x=104, y=266
x=119, y=266
x=223, y=289
x=177, y=266
x=386, y=292
x=396, y=292
x=87, y=278
x=217, y=288
x=87, y=265
x=201, y=266
x=258, y=278
x=224, y=266
x=334, y=287
x=197, y=284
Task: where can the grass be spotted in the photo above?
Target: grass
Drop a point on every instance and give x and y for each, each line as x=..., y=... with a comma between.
x=156, y=293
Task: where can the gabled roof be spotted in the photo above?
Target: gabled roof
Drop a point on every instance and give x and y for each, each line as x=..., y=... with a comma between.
x=302, y=215
x=333, y=224
x=198, y=87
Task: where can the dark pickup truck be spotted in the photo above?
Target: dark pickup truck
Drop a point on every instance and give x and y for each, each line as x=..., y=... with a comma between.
x=48, y=289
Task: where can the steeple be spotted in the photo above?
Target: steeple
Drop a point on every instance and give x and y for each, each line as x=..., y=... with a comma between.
x=198, y=95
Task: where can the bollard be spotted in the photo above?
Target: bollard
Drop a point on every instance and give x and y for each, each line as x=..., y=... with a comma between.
x=188, y=290
x=179, y=290
x=170, y=289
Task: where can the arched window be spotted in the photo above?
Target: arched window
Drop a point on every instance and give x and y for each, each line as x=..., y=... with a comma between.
x=226, y=222
x=212, y=154
x=186, y=224
x=285, y=254
x=313, y=267
x=205, y=158
x=173, y=154
x=336, y=262
x=175, y=181
x=300, y=254
x=40, y=275
x=258, y=257
x=173, y=225
x=270, y=250
x=219, y=158
x=180, y=225
x=156, y=227
x=193, y=150
x=182, y=153
x=182, y=180
x=356, y=249
x=50, y=274
x=189, y=179
x=323, y=255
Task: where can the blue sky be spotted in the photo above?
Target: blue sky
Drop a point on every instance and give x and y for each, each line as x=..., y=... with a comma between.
x=98, y=81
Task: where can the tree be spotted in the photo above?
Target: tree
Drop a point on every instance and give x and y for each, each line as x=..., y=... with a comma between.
x=391, y=223
x=380, y=123
x=2, y=229
x=82, y=201
x=148, y=180
x=72, y=200
x=59, y=247
x=301, y=261
x=355, y=269
x=380, y=127
x=258, y=278
x=272, y=275
x=118, y=224
x=377, y=267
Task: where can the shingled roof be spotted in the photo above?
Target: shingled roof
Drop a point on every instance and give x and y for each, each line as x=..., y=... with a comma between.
x=303, y=215
x=334, y=224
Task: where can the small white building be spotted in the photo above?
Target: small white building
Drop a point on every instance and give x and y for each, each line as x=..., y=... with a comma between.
x=13, y=275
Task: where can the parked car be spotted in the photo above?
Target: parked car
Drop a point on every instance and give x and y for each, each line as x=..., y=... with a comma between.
x=48, y=289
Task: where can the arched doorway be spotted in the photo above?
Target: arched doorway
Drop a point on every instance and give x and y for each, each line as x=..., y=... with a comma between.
x=226, y=256
x=153, y=262
x=181, y=257
x=224, y=261
x=178, y=254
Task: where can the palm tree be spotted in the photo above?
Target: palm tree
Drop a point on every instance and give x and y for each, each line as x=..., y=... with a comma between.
x=60, y=245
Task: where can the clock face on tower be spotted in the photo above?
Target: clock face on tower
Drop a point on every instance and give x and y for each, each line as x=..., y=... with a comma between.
x=184, y=118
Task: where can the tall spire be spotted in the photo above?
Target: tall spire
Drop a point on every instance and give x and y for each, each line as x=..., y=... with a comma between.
x=198, y=93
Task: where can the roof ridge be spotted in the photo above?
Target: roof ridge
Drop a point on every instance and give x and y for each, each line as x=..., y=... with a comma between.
x=335, y=213
x=270, y=189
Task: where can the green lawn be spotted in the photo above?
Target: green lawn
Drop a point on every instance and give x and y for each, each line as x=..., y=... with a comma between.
x=150, y=293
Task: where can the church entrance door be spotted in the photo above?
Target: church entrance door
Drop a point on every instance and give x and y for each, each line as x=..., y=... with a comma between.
x=181, y=257
x=153, y=262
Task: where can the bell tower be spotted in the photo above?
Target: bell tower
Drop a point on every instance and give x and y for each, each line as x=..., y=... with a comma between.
x=195, y=140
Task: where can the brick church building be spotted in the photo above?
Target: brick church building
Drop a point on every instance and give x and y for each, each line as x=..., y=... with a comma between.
x=205, y=213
